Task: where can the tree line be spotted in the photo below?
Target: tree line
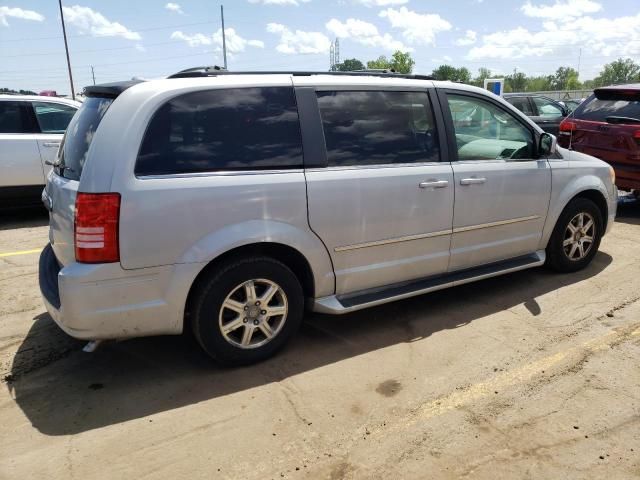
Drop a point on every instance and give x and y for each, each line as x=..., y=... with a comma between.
x=565, y=78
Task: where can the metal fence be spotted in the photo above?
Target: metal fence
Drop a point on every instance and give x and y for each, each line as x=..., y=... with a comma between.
x=564, y=94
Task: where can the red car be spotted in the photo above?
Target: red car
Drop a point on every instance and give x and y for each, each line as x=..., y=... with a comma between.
x=607, y=125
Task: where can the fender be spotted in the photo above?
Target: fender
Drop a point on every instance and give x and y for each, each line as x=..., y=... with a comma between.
x=563, y=189
x=257, y=231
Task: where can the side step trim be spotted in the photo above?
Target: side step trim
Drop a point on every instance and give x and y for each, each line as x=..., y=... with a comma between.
x=340, y=304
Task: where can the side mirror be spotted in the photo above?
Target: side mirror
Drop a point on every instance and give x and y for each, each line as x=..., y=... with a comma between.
x=548, y=145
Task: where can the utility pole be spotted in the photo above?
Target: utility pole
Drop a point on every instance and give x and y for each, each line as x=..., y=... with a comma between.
x=93, y=75
x=66, y=49
x=224, y=41
x=579, y=61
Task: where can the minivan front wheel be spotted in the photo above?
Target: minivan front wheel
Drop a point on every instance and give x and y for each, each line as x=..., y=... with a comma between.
x=247, y=310
x=576, y=236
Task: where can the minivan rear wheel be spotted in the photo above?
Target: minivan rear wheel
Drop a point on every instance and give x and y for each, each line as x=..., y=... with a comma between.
x=247, y=310
x=576, y=237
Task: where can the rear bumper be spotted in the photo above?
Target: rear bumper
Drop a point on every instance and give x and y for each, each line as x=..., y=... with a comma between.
x=104, y=301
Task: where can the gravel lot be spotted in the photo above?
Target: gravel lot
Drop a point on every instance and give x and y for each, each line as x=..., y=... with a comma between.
x=532, y=375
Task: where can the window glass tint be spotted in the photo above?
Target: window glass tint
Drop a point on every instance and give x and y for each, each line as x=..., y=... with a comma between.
x=15, y=118
x=78, y=137
x=547, y=108
x=598, y=110
x=230, y=129
x=521, y=103
x=485, y=131
x=374, y=127
x=53, y=117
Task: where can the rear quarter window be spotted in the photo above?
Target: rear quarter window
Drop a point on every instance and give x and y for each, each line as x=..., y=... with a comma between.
x=597, y=110
x=223, y=129
x=79, y=135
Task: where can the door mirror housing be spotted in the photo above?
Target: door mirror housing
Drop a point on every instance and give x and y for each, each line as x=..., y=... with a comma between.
x=548, y=145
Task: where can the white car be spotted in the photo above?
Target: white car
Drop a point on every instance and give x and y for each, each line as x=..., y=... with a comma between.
x=31, y=129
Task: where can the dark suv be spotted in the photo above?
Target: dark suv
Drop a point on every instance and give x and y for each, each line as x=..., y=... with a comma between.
x=547, y=113
x=607, y=126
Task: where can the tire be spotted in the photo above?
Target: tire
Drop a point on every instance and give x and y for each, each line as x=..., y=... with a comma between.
x=563, y=257
x=223, y=301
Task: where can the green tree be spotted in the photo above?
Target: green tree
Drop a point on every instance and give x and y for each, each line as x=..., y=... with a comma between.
x=516, y=82
x=483, y=74
x=620, y=71
x=447, y=72
x=380, y=63
x=351, y=64
x=565, y=78
x=538, y=84
x=402, y=62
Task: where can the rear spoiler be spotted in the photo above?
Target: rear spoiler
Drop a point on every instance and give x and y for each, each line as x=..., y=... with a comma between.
x=109, y=90
x=617, y=93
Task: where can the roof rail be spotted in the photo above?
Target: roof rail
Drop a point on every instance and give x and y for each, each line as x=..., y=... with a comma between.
x=215, y=71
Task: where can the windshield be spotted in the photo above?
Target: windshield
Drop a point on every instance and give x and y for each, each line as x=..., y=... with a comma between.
x=598, y=110
x=77, y=139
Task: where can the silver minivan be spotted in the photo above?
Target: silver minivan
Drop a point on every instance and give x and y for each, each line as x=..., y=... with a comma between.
x=228, y=203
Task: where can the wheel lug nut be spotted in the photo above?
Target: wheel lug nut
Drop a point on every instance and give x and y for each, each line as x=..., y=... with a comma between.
x=245, y=320
x=263, y=312
x=255, y=322
x=257, y=304
x=246, y=308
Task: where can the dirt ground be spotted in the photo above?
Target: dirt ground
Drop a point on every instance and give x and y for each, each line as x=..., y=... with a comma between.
x=533, y=375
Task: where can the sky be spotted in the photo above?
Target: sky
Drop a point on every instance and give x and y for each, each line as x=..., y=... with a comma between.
x=151, y=39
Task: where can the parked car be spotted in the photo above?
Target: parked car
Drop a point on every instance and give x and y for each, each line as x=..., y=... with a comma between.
x=226, y=203
x=571, y=104
x=31, y=128
x=545, y=112
x=607, y=125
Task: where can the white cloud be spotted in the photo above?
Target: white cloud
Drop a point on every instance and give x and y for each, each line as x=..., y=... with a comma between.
x=381, y=3
x=469, y=38
x=174, y=7
x=235, y=42
x=364, y=33
x=94, y=23
x=561, y=9
x=417, y=28
x=602, y=36
x=15, y=12
x=280, y=2
x=140, y=47
x=299, y=41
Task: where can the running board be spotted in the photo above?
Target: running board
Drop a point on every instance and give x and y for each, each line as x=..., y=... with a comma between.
x=339, y=304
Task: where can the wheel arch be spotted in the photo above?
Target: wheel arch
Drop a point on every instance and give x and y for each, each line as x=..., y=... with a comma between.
x=286, y=254
x=595, y=192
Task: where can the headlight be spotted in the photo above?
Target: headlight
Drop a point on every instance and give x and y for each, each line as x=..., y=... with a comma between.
x=612, y=175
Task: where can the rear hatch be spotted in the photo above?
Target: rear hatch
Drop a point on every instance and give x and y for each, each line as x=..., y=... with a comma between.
x=607, y=126
x=62, y=186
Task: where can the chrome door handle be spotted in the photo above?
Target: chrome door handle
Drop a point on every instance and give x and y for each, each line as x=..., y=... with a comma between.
x=472, y=181
x=434, y=184
x=51, y=144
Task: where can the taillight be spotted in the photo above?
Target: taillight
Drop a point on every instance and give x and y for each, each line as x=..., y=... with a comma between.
x=96, y=227
x=568, y=126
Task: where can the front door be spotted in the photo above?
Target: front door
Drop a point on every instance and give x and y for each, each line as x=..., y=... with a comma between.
x=383, y=204
x=502, y=191
x=548, y=114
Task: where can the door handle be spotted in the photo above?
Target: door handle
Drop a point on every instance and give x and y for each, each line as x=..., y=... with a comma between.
x=434, y=184
x=51, y=144
x=472, y=181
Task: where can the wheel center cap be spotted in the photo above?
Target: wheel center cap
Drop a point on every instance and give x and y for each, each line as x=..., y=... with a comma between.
x=253, y=311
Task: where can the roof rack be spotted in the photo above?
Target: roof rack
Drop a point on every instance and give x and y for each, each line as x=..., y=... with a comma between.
x=214, y=71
